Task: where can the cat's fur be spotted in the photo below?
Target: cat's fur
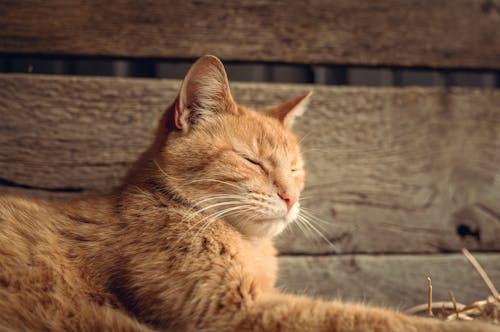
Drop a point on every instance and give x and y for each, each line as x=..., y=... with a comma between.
x=185, y=243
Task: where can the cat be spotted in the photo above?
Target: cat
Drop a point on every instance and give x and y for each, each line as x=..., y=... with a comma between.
x=185, y=244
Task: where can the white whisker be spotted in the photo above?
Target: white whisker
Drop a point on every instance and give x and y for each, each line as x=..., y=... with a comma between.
x=215, y=215
x=218, y=215
x=208, y=207
x=168, y=176
x=214, y=197
x=310, y=215
x=304, y=137
x=301, y=228
x=307, y=222
x=235, y=198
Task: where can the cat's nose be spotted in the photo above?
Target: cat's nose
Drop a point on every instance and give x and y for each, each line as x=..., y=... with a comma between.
x=290, y=200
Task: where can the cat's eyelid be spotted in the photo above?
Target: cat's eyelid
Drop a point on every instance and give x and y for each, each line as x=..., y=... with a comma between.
x=249, y=157
x=246, y=155
x=252, y=160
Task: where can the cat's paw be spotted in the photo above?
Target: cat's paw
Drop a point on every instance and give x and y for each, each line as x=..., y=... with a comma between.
x=475, y=326
x=435, y=325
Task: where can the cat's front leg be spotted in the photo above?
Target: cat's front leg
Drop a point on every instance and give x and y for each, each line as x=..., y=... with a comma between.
x=290, y=313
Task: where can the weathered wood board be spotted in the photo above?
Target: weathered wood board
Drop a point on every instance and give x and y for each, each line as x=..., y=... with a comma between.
x=397, y=281
x=390, y=170
x=441, y=33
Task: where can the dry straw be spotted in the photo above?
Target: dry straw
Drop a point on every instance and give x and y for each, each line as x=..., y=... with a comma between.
x=488, y=309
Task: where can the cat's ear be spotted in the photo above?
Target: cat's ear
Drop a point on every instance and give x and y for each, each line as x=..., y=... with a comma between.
x=204, y=93
x=289, y=110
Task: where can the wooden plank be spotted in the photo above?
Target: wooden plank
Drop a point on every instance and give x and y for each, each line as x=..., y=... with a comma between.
x=397, y=281
x=390, y=170
x=441, y=33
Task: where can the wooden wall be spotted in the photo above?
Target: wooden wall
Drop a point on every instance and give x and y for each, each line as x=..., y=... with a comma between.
x=391, y=171
x=439, y=33
x=401, y=178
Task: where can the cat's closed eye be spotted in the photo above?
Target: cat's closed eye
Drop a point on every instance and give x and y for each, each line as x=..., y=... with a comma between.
x=255, y=163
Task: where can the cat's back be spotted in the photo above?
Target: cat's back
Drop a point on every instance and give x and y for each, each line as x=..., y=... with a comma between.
x=24, y=224
x=41, y=283
x=28, y=238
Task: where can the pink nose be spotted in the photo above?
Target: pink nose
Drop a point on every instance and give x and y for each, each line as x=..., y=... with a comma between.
x=289, y=200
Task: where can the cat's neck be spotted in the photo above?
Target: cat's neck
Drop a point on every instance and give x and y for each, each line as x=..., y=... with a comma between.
x=107, y=223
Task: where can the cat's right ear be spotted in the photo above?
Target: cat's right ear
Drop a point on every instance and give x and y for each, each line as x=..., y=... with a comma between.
x=204, y=94
x=287, y=112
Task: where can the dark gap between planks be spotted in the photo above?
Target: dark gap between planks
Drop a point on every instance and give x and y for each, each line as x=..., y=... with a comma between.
x=256, y=72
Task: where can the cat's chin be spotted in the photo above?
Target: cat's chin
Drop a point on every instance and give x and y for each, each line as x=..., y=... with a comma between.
x=266, y=227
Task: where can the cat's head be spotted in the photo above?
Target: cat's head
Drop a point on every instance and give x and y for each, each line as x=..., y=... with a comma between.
x=228, y=161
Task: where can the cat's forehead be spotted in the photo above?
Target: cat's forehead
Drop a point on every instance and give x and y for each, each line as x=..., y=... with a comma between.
x=263, y=133
x=271, y=132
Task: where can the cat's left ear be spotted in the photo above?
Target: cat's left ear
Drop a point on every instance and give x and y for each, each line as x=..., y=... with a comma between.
x=289, y=110
x=204, y=94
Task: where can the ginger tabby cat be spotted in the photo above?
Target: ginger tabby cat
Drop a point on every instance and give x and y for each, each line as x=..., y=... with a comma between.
x=185, y=243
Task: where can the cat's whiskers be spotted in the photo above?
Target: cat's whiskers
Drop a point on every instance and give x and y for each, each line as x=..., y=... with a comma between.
x=217, y=196
x=228, y=198
x=145, y=194
x=226, y=212
x=163, y=172
x=304, y=137
x=313, y=217
x=250, y=218
x=215, y=216
x=234, y=199
x=312, y=227
x=308, y=231
x=307, y=219
x=193, y=215
x=217, y=181
x=208, y=207
x=303, y=229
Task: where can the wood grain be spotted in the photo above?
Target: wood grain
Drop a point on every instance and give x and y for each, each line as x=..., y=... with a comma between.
x=395, y=281
x=389, y=170
x=441, y=33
